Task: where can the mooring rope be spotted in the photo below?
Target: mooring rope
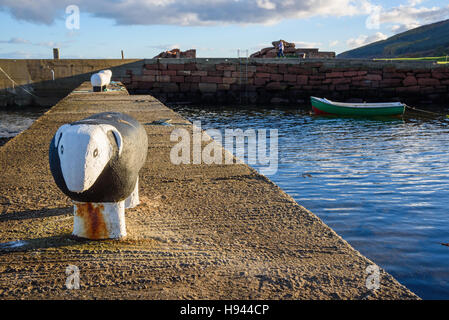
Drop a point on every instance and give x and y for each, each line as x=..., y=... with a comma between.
x=425, y=111
x=18, y=85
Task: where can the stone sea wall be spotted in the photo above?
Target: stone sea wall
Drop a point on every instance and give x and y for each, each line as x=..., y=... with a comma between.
x=288, y=81
x=43, y=82
x=232, y=81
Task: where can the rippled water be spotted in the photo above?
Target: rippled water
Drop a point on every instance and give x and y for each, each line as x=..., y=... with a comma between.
x=382, y=184
x=14, y=121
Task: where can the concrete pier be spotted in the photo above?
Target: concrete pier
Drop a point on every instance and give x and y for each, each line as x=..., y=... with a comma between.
x=201, y=231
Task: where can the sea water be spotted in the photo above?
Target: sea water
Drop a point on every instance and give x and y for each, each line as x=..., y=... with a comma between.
x=382, y=184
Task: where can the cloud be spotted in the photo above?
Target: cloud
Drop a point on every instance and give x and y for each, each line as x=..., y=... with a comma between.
x=364, y=40
x=406, y=17
x=16, y=41
x=47, y=44
x=333, y=44
x=414, y=2
x=398, y=28
x=304, y=44
x=183, y=12
x=403, y=17
x=43, y=11
x=266, y=4
x=216, y=12
x=165, y=47
x=398, y=19
x=20, y=55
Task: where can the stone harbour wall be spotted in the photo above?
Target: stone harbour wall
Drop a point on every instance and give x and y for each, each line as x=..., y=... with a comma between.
x=233, y=81
x=288, y=81
x=43, y=82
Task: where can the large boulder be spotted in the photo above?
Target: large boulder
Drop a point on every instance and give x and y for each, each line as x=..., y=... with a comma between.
x=271, y=52
x=286, y=44
x=261, y=53
x=189, y=53
x=291, y=51
x=177, y=53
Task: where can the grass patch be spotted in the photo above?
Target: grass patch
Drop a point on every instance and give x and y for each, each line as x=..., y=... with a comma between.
x=442, y=60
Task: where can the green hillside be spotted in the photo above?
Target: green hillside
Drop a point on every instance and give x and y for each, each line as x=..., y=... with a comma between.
x=429, y=40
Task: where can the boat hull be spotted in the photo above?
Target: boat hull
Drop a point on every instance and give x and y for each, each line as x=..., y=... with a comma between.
x=326, y=107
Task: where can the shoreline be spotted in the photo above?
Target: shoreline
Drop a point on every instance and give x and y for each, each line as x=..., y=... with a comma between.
x=3, y=141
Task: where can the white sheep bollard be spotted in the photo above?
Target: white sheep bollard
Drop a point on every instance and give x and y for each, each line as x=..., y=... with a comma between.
x=96, y=162
x=100, y=81
x=107, y=72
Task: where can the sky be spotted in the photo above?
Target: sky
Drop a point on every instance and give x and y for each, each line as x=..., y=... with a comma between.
x=30, y=29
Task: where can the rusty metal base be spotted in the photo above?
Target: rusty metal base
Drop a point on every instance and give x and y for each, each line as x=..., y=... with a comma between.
x=98, y=221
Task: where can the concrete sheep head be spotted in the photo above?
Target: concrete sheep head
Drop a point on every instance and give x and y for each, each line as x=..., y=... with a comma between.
x=84, y=150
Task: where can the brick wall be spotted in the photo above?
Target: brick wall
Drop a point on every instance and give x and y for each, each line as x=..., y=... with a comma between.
x=289, y=82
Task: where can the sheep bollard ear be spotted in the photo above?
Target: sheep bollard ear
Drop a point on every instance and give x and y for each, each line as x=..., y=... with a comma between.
x=98, y=221
x=59, y=133
x=118, y=139
x=133, y=200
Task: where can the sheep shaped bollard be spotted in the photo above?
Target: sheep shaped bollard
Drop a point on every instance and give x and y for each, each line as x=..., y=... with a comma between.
x=108, y=73
x=101, y=80
x=96, y=162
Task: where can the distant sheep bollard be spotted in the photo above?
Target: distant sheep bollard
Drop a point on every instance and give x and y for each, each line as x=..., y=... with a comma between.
x=96, y=162
x=108, y=73
x=101, y=80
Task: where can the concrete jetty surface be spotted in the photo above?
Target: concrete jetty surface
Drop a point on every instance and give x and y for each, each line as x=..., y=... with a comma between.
x=201, y=231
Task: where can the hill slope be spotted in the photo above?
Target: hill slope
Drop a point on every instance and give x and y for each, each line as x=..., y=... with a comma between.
x=428, y=40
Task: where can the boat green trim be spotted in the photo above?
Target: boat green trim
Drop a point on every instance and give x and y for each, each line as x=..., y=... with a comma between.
x=324, y=106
